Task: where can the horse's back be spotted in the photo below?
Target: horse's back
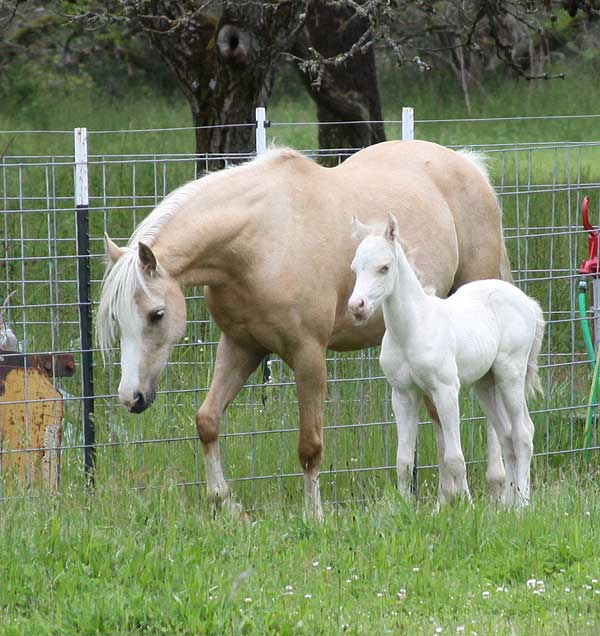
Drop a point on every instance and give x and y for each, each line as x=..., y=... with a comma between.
x=429, y=173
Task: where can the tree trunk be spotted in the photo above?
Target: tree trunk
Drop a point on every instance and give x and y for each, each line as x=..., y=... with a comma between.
x=347, y=91
x=224, y=65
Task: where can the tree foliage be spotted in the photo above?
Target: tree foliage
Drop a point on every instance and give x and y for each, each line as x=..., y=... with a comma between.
x=224, y=53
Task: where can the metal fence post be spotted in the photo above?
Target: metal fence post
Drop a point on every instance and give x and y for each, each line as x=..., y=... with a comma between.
x=408, y=123
x=408, y=134
x=83, y=297
x=261, y=130
x=261, y=147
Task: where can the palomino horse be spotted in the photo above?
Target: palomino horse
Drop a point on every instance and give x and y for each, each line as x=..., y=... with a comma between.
x=270, y=240
x=488, y=334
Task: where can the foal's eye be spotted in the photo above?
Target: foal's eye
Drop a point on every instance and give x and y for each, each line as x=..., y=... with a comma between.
x=384, y=269
x=156, y=316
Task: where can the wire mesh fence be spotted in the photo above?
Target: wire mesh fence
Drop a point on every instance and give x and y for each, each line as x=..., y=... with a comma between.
x=540, y=186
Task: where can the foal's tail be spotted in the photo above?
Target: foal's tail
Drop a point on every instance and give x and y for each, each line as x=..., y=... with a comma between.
x=533, y=383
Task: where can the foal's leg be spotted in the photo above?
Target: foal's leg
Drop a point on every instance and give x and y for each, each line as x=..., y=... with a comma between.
x=445, y=400
x=445, y=478
x=406, y=413
x=523, y=441
x=509, y=371
x=310, y=371
x=490, y=398
x=521, y=438
x=495, y=474
x=233, y=365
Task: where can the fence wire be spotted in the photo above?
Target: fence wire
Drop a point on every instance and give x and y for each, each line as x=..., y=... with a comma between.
x=540, y=186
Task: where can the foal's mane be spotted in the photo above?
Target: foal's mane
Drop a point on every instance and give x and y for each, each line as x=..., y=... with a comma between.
x=125, y=277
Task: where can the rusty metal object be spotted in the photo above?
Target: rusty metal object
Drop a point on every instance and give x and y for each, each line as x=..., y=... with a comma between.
x=31, y=412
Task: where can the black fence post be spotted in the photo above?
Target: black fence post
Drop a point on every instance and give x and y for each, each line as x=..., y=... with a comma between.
x=84, y=300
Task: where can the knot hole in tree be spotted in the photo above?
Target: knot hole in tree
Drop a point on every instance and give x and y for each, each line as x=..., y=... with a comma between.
x=233, y=44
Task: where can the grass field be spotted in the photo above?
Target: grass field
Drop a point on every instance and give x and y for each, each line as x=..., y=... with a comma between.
x=154, y=561
x=122, y=563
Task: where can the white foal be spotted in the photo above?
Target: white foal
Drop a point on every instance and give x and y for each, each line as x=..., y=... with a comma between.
x=488, y=333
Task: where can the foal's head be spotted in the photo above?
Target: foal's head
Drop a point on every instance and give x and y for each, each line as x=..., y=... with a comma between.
x=146, y=307
x=375, y=267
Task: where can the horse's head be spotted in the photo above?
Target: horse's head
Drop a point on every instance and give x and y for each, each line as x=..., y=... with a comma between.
x=145, y=305
x=374, y=265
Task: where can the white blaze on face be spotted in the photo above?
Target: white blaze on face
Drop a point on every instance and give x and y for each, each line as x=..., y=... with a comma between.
x=131, y=358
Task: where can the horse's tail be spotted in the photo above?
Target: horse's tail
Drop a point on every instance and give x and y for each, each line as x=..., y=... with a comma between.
x=479, y=160
x=533, y=383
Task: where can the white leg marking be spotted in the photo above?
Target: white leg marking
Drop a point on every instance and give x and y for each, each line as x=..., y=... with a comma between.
x=312, y=496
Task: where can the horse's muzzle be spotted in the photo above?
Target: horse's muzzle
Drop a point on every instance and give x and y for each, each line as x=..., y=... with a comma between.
x=141, y=402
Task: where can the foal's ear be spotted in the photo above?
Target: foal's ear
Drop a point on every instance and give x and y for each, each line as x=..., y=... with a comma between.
x=113, y=251
x=147, y=258
x=359, y=230
x=391, y=229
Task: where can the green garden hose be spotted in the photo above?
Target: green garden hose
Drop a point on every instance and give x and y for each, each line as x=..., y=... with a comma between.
x=587, y=335
x=593, y=397
x=594, y=361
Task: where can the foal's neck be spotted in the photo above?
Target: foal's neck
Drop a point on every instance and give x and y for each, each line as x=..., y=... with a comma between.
x=404, y=308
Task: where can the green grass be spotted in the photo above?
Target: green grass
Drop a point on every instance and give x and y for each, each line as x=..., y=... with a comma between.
x=156, y=562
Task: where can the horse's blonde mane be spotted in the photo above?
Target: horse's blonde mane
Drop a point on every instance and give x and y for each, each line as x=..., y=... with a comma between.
x=125, y=277
x=119, y=285
x=148, y=228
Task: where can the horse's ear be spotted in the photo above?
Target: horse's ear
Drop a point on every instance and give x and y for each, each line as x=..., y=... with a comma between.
x=359, y=230
x=391, y=229
x=147, y=258
x=113, y=251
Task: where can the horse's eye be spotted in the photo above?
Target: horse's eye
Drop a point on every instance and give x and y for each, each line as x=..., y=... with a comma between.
x=384, y=269
x=156, y=316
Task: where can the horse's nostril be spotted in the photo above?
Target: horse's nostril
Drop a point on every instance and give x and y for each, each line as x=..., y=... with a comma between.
x=361, y=303
x=138, y=399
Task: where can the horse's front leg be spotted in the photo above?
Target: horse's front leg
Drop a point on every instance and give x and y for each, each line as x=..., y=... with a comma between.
x=311, y=385
x=233, y=365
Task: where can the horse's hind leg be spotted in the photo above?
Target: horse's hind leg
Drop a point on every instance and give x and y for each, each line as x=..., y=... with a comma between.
x=233, y=365
x=495, y=474
x=523, y=442
x=507, y=409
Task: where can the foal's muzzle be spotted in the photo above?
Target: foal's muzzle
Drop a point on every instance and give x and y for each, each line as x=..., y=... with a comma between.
x=359, y=309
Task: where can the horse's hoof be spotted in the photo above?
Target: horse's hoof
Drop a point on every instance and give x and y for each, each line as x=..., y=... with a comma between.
x=234, y=510
x=314, y=516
